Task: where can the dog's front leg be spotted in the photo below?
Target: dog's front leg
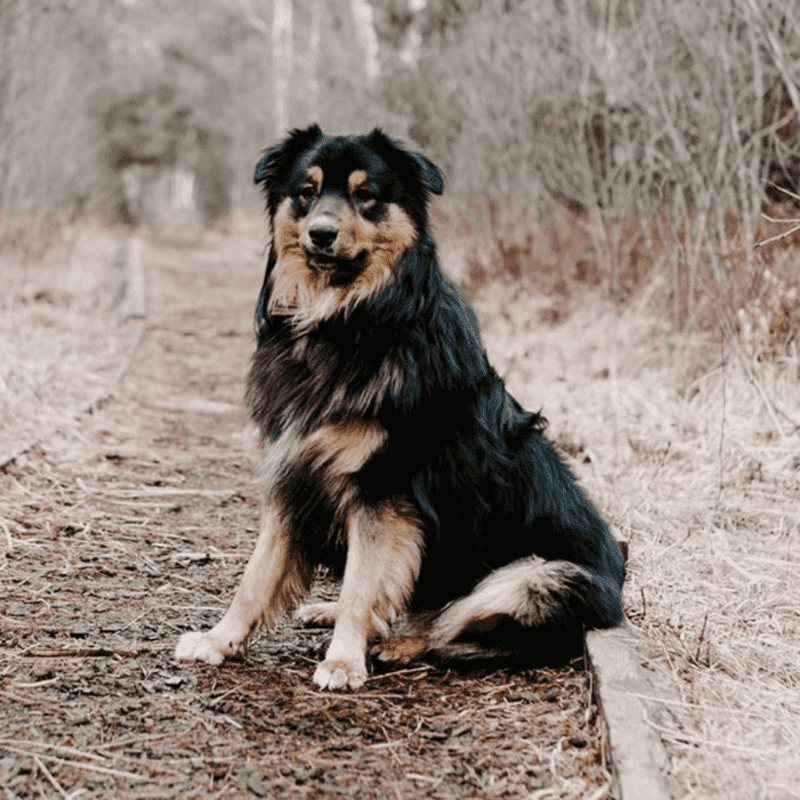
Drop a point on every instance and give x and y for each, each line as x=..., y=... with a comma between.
x=274, y=580
x=384, y=552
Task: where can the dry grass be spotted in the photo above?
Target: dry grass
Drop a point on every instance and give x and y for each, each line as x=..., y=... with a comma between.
x=61, y=287
x=687, y=439
x=691, y=446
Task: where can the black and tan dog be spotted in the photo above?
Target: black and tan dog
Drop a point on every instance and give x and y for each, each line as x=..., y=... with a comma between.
x=393, y=452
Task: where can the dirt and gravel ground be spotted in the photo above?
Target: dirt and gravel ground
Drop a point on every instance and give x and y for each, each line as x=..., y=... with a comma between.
x=131, y=524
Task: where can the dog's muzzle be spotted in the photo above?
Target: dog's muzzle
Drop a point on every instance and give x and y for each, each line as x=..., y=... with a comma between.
x=322, y=253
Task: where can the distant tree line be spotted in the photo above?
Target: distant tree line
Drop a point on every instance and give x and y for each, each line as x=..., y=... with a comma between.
x=608, y=105
x=97, y=98
x=605, y=105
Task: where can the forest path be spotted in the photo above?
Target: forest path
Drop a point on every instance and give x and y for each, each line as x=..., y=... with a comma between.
x=134, y=525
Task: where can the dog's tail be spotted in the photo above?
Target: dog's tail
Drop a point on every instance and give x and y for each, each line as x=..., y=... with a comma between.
x=532, y=608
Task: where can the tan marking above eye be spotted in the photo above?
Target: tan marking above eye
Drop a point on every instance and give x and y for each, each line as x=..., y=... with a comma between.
x=357, y=179
x=315, y=175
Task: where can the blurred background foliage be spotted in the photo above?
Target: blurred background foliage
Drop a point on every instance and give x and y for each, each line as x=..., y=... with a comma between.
x=604, y=106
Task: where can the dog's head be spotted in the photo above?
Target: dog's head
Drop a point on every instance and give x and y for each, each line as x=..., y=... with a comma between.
x=343, y=211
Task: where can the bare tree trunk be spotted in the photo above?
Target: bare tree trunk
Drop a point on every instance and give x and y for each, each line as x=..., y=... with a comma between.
x=314, y=40
x=15, y=37
x=362, y=18
x=282, y=57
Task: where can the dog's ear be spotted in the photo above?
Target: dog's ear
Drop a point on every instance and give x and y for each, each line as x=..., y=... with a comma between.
x=429, y=173
x=277, y=160
x=430, y=176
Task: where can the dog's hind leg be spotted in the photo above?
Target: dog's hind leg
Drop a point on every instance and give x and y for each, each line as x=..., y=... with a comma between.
x=274, y=580
x=320, y=614
x=534, y=592
x=384, y=553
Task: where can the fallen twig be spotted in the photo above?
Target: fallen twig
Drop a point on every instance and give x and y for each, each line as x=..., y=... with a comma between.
x=49, y=776
x=779, y=235
x=60, y=748
x=87, y=652
x=399, y=672
x=117, y=773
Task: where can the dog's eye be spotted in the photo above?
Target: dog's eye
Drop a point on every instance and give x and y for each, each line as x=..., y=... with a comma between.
x=363, y=195
x=308, y=192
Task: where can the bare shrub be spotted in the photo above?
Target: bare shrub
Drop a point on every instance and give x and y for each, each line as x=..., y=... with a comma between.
x=666, y=116
x=614, y=105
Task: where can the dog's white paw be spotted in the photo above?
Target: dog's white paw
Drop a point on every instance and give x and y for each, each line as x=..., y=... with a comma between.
x=323, y=614
x=340, y=674
x=199, y=646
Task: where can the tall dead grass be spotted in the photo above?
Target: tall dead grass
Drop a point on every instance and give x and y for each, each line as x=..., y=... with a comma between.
x=672, y=380
x=667, y=110
x=61, y=288
x=728, y=290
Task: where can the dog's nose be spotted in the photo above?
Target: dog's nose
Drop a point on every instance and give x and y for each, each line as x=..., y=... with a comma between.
x=323, y=235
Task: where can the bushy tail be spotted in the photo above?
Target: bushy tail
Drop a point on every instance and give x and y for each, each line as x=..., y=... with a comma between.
x=532, y=608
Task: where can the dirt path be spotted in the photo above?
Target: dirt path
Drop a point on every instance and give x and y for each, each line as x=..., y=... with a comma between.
x=134, y=526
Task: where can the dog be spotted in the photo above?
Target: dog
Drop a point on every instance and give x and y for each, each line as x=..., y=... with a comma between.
x=393, y=452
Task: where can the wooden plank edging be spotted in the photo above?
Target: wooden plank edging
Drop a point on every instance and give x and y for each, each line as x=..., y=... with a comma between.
x=635, y=697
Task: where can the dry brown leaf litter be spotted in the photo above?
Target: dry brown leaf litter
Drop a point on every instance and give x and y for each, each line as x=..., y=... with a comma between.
x=133, y=523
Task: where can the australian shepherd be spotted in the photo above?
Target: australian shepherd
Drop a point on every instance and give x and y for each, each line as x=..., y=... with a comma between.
x=393, y=452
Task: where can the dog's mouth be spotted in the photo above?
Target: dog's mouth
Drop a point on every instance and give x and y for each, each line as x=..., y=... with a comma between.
x=341, y=270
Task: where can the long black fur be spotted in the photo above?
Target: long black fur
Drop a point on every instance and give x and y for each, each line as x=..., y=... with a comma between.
x=476, y=467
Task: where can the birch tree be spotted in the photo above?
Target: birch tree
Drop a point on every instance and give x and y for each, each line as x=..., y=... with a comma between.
x=314, y=41
x=362, y=19
x=282, y=58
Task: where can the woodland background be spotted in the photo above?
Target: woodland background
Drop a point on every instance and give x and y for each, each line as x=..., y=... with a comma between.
x=623, y=201
x=615, y=105
x=661, y=126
